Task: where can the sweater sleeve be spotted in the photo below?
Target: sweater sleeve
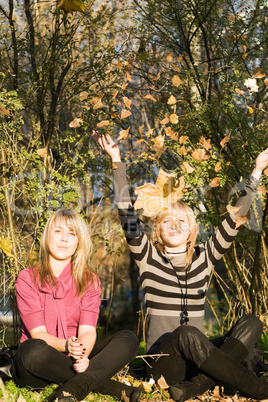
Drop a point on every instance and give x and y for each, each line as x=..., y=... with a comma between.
x=129, y=220
x=225, y=234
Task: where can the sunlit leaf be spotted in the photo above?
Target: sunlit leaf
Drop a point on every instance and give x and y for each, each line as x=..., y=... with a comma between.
x=232, y=209
x=240, y=220
x=125, y=113
x=162, y=383
x=183, y=151
x=176, y=68
x=127, y=101
x=147, y=387
x=103, y=123
x=124, y=86
x=239, y=91
x=140, y=129
x=198, y=154
x=115, y=94
x=245, y=144
x=206, y=143
x=171, y=133
x=149, y=132
x=76, y=123
x=150, y=97
x=172, y=100
x=250, y=110
x=218, y=167
x=123, y=134
x=4, y=111
x=258, y=73
x=169, y=57
x=69, y=6
x=164, y=121
x=6, y=246
x=179, y=59
x=159, y=140
x=174, y=118
x=83, y=96
x=42, y=152
x=266, y=81
x=96, y=102
x=225, y=140
x=243, y=49
x=187, y=167
x=176, y=81
x=215, y=182
x=183, y=138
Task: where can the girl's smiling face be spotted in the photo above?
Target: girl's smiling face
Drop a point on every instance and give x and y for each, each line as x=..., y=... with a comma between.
x=62, y=242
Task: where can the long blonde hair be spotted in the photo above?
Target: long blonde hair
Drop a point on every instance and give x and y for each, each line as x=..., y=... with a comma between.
x=179, y=206
x=81, y=267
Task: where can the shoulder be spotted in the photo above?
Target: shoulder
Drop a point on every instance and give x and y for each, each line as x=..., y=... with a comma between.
x=26, y=274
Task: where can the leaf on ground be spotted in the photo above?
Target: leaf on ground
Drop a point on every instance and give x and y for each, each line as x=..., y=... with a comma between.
x=258, y=73
x=183, y=150
x=125, y=113
x=183, y=138
x=123, y=134
x=218, y=167
x=103, y=123
x=4, y=111
x=174, y=118
x=171, y=133
x=83, y=96
x=162, y=383
x=150, y=97
x=164, y=121
x=127, y=102
x=6, y=246
x=169, y=57
x=146, y=386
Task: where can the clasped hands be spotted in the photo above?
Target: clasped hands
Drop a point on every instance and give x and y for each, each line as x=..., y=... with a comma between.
x=78, y=352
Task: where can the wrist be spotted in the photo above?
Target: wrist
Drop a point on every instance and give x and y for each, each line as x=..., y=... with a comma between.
x=256, y=173
x=66, y=346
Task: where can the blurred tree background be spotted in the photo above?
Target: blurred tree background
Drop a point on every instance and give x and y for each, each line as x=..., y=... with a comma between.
x=181, y=85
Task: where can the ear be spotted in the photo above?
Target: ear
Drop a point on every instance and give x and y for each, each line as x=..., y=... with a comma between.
x=157, y=232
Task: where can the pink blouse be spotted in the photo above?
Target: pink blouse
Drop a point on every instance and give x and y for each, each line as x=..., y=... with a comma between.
x=59, y=309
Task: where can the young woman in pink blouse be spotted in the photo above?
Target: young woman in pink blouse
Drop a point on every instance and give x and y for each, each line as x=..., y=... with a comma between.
x=58, y=301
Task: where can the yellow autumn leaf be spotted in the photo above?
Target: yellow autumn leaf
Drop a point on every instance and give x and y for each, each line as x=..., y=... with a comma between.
x=186, y=166
x=174, y=118
x=115, y=94
x=42, y=152
x=172, y=100
x=179, y=59
x=266, y=81
x=96, y=102
x=169, y=57
x=176, y=68
x=124, y=86
x=125, y=113
x=164, y=121
x=6, y=246
x=128, y=76
x=215, y=182
x=239, y=91
x=176, y=81
x=140, y=130
x=206, y=143
x=183, y=151
x=127, y=102
x=159, y=140
x=171, y=133
x=150, y=97
x=218, y=167
x=149, y=132
x=76, y=123
x=83, y=96
x=183, y=138
x=103, y=123
x=198, y=154
x=225, y=140
x=69, y=6
x=146, y=386
x=250, y=110
x=123, y=134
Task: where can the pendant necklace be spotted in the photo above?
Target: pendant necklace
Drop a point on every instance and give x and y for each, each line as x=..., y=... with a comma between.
x=184, y=312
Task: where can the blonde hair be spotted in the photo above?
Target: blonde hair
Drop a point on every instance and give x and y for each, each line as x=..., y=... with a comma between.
x=178, y=206
x=81, y=269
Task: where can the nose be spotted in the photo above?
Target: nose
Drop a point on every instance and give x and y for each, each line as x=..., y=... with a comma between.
x=64, y=236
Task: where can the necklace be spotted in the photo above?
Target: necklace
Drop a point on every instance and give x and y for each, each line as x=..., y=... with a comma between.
x=184, y=312
x=178, y=252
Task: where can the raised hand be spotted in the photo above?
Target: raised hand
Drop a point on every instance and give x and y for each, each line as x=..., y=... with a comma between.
x=108, y=145
x=261, y=163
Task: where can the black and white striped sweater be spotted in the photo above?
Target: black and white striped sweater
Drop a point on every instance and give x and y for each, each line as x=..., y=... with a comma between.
x=163, y=294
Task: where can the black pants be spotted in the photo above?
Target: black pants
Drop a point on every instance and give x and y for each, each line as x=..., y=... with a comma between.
x=188, y=348
x=37, y=364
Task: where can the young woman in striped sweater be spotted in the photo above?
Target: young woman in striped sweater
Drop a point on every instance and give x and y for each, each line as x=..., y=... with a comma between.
x=175, y=274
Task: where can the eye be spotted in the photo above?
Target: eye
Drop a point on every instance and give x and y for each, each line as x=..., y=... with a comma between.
x=72, y=233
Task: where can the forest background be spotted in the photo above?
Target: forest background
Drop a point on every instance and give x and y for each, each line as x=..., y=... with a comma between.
x=180, y=84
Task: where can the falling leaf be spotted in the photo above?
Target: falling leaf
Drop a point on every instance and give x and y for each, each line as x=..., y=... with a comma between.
x=215, y=182
x=176, y=81
x=183, y=151
x=76, y=123
x=4, y=111
x=206, y=143
x=68, y=6
x=189, y=169
x=115, y=94
x=96, y=102
x=232, y=209
x=176, y=68
x=239, y=91
x=128, y=76
x=258, y=73
x=123, y=134
x=198, y=154
x=162, y=383
x=165, y=121
x=159, y=140
x=250, y=110
x=127, y=102
x=171, y=133
x=149, y=132
x=183, y=138
x=225, y=140
x=147, y=388
x=174, y=118
x=240, y=220
x=150, y=97
x=6, y=246
x=266, y=81
x=83, y=96
x=169, y=57
x=207, y=155
x=103, y=123
x=125, y=113
x=218, y=167
x=172, y=100
x=42, y=152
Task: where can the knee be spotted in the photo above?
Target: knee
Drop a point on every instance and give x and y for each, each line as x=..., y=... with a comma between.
x=30, y=350
x=248, y=329
x=129, y=338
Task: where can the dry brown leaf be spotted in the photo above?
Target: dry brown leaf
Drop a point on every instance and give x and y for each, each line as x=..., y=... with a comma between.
x=240, y=220
x=266, y=81
x=76, y=123
x=183, y=138
x=140, y=130
x=146, y=386
x=128, y=76
x=124, y=85
x=207, y=155
x=245, y=144
x=239, y=91
x=169, y=57
x=176, y=68
x=156, y=77
x=4, y=111
x=127, y=102
x=198, y=154
x=42, y=152
x=162, y=383
x=125, y=113
x=150, y=97
x=225, y=140
x=218, y=167
x=83, y=96
x=149, y=132
x=243, y=49
x=172, y=100
x=215, y=182
x=171, y=133
x=103, y=123
x=174, y=118
x=159, y=140
x=165, y=121
x=176, y=81
x=232, y=209
x=183, y=151
x=115, y=94
x=258, y=73
x=119, y=64
x=179, y=59
x=123, y=134
x=188, y=167
x=206, y=143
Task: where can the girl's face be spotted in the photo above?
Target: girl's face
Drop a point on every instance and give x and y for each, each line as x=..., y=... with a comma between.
x=174, y=230
x=62, y=242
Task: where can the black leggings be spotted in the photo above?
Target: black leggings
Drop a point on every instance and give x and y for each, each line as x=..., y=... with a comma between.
x=37, y=364
x=188, y=348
